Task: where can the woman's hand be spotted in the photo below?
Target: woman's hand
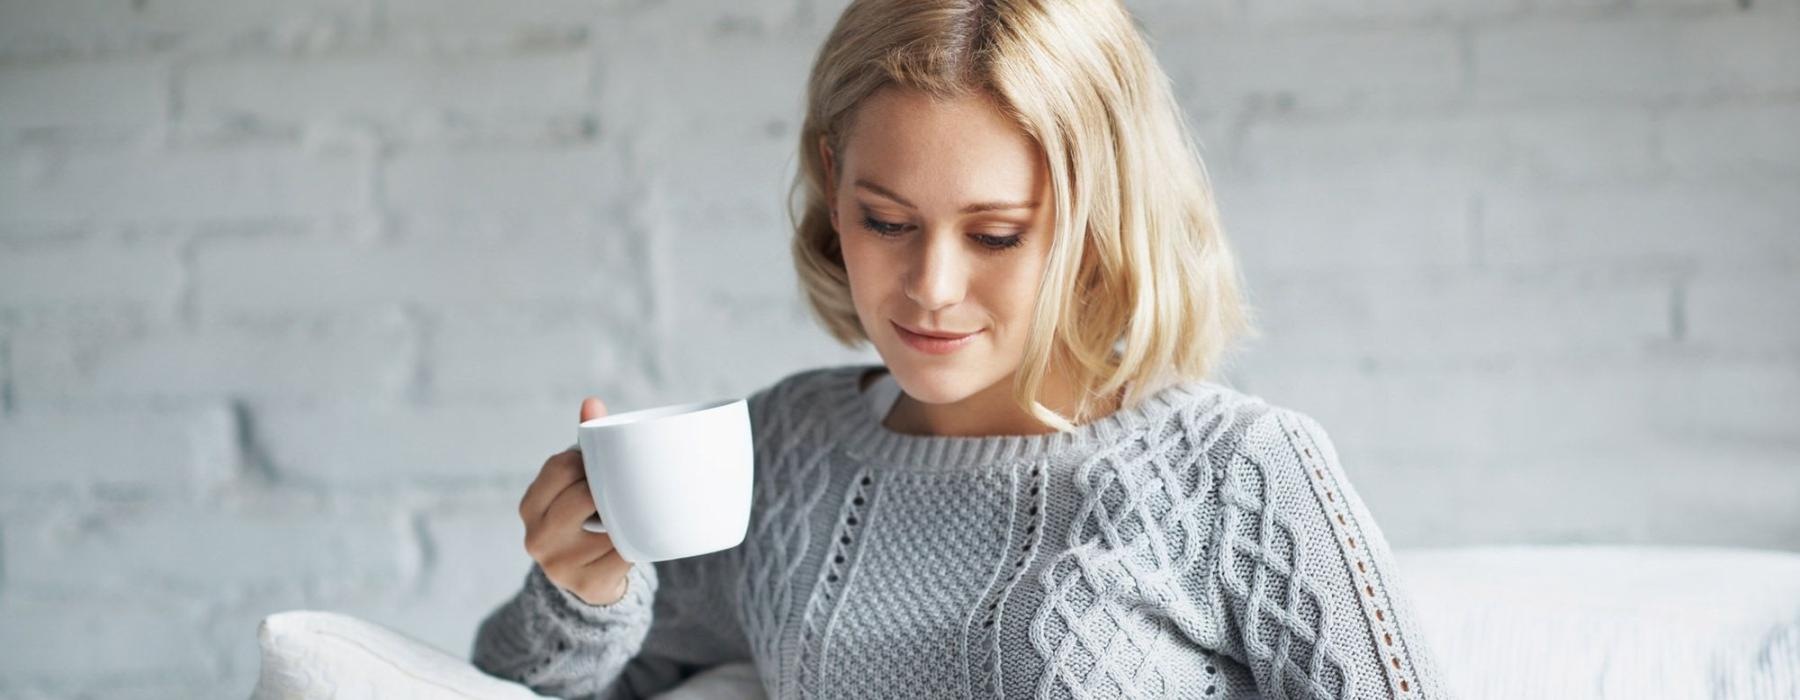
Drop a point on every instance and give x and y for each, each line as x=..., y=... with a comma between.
x=557, y=502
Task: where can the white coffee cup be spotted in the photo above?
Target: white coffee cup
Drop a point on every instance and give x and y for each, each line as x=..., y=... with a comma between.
x=672, y=481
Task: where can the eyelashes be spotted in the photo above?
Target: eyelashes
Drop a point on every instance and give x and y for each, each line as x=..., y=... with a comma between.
x=887, y=229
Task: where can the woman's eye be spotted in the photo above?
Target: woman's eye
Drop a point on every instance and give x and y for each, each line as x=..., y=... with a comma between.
x=1001, y=242
x=887, y=229
x=882, y=227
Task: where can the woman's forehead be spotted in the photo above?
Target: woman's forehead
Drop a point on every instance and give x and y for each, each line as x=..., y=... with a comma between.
x=907, y=141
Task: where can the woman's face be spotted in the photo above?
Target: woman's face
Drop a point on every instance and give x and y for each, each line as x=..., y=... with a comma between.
x=942, y=211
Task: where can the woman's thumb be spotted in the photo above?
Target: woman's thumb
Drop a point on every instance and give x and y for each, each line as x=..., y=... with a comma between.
x=592, y=408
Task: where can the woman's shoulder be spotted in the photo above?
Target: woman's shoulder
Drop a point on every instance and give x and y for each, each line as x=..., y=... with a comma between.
x=799, y=393
x=806, y=381
x=1235, y=423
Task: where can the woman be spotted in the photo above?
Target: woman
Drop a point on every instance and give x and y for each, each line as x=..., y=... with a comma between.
x=1038, y=493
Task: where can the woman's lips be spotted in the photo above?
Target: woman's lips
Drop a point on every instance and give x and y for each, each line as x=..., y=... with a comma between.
x=932, y=345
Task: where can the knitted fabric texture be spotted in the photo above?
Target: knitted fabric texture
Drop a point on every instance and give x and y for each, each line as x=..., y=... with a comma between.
x=1200, y=544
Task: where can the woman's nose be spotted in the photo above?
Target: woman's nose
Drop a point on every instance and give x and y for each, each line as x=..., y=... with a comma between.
x=939, y=275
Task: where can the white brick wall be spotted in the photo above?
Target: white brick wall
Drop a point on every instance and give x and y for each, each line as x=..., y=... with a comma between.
x=296, y=297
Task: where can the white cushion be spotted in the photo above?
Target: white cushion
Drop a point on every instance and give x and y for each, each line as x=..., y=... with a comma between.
x=316, y=654
x=1610, y=622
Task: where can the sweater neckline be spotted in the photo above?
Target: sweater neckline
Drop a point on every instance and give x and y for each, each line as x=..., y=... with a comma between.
x=860, y=430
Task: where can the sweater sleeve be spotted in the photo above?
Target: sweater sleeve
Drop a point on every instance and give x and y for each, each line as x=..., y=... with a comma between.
x=1312, y=599
x=557, y=644
x=675, y=621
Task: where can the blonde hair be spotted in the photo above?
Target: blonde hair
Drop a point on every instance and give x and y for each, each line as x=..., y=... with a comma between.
x=1141, y=290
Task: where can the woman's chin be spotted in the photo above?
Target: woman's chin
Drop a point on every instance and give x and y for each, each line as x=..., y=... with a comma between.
x=935, y=383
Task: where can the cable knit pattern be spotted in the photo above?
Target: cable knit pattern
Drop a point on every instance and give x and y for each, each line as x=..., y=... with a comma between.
x=1201, y=543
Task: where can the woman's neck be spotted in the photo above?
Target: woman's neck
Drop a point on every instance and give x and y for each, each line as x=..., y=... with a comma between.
x=990, y=411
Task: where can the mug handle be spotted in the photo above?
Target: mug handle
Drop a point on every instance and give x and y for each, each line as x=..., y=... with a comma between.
x=592, y=524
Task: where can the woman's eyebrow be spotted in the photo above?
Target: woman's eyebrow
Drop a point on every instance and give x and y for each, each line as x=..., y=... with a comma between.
x=971, y=209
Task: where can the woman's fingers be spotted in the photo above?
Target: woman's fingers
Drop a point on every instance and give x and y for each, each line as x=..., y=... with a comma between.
x=559, y=539
x=592, y=407
x=544, y=540
x=570, y=508
x=553, y=508
x=560, y=470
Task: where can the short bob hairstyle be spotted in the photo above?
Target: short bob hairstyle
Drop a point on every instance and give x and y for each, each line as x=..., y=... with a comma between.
x=1141, y=289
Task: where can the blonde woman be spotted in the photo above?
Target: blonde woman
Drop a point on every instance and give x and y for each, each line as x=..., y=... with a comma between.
x=1039, y=492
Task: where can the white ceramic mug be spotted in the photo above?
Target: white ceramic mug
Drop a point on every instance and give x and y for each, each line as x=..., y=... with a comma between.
x=670, y=482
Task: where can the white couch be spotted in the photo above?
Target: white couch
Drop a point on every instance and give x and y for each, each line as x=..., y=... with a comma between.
x=1506, y=622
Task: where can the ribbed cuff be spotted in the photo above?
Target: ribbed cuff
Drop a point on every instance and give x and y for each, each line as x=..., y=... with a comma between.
x=633, y=609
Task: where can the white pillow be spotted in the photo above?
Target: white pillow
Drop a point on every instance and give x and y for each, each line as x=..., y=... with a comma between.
x=315, y=654
x=310, y=654
x=1610, y=621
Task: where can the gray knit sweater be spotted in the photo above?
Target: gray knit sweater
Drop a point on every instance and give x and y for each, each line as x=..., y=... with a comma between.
x=1202, y=543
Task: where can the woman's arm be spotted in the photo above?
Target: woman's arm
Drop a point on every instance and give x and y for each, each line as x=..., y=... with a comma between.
x=555, y=643
x=1311, y=593
x=675, y=620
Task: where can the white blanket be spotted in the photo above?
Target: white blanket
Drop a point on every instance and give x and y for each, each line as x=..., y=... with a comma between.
x=1611, y=622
